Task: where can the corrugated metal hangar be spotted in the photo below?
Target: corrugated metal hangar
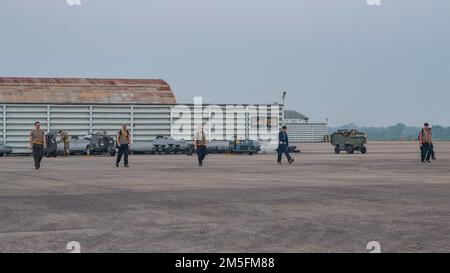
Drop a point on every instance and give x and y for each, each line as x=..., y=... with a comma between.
x=83, y=107
x=86, y=106
x=224, y=122
x=300, y=130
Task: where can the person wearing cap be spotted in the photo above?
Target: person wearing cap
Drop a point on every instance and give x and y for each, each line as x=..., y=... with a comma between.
x=425, y=141
x=283, y=145
x=123, y=141
x=38, y=144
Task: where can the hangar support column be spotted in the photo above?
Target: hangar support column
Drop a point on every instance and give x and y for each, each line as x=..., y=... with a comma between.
x=4, y=124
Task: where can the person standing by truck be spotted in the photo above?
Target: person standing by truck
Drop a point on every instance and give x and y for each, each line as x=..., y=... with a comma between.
x=425, y=141
x=123, y=141
x=283, y=146
x=66, y=140
x=201, y=144
x=37, y=144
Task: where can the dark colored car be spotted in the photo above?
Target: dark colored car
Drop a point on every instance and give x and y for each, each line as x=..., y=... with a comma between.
x=5, y=150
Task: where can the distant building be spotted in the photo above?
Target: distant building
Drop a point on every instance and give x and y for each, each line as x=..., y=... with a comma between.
x=301, y=131
x=83, y=106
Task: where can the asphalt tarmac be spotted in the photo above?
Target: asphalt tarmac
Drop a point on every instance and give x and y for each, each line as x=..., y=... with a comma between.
x=322, y=203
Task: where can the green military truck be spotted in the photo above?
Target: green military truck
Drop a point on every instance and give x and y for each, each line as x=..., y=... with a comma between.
x=349, y=141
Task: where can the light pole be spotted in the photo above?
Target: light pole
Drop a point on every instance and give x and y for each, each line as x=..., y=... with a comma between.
x=283, y=108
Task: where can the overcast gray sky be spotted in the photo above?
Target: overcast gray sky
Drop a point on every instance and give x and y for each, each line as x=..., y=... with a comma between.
x=338, y=59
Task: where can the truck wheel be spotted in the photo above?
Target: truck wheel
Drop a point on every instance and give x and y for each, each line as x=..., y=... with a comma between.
x=337, y=150
x=363, y=149
x=350, y=149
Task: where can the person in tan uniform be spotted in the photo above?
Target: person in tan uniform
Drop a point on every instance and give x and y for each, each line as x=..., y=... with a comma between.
x=66, y=140
x=37, y=144
x=123, y=141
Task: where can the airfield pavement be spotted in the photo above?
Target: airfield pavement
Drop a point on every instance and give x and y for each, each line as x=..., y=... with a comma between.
x=235, y=203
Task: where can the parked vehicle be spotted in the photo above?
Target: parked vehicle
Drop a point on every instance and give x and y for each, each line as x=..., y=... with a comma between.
x=78, y=145
x=242, y=146
x=52, y=144
x=349, y=141
x=4, y=150
x=168, y=145
x=99, y=143
x=142, y=148
x=218, y=146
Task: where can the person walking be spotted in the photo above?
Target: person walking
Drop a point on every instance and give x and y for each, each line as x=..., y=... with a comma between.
x=66, y=140
x=38, y=144
x=201, y=144
x=433, y=155
x=123, y=141
x=283, y=145
x=425, y=141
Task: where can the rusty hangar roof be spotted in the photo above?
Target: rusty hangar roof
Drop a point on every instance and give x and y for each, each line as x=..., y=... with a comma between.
x=85, y=91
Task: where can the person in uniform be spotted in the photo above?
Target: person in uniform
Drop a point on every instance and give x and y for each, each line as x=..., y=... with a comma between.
x=123, y=140
x=425, y=141
x=433, y=155
x=37, y=144
x=66, y=140
x=201, y=144
x=283, y=145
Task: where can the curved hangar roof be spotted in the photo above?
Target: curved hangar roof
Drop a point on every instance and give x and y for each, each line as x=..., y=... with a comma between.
x=85, y=91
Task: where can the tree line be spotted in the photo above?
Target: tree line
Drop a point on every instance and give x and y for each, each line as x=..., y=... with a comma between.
x=396, y=132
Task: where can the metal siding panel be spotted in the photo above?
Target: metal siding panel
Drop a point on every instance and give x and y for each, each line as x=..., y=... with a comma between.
x=80, y=120
x=306, y=132
x=238, y=123
x=3, y=124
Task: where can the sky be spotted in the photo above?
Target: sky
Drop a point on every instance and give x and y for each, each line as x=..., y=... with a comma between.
x=341, y=60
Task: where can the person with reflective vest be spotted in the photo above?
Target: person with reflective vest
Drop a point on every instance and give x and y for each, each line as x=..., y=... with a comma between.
x=123, y=141
x=425, y=141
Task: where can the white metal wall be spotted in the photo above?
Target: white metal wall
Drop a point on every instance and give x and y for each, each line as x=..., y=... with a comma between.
x=241, y=123
x=306, y=132
x=146, y=121
x=2, y=124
